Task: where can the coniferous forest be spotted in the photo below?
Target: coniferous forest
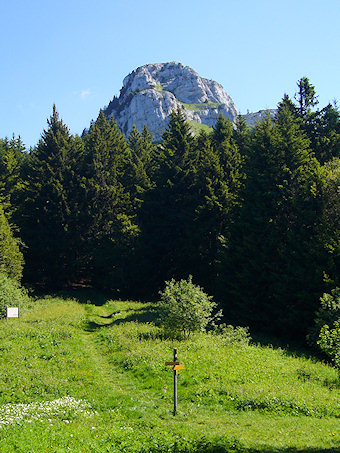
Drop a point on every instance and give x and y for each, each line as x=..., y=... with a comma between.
x=252, y=214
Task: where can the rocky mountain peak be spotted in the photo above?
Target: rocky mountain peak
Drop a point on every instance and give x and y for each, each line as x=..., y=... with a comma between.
x=151, y=92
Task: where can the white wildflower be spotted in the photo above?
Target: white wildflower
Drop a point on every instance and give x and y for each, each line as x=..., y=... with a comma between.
x=15, y=413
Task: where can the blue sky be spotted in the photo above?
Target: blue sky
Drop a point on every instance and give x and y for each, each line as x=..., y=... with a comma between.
x=75, y=53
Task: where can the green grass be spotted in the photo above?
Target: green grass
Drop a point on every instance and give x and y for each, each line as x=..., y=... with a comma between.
x=200, y=106
x=198, y=127
x=109, y=359
x=158, y=88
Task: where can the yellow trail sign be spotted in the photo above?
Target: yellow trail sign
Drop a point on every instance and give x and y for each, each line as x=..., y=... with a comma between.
x=178, y=367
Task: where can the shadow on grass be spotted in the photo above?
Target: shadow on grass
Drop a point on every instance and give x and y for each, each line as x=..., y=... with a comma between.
x=138, y=315
x=292, y=348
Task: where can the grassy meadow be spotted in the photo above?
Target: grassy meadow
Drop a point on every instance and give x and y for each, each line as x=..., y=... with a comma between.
x=88, y=374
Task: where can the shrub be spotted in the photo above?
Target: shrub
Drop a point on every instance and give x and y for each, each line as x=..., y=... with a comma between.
x=329, y=342
x=185, y=307
x=11, y=293
x=328, y=313
x=233, y=335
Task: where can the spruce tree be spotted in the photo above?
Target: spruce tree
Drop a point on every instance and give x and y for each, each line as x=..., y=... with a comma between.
x=47, y=205
x=219, y=178
x=272, y=258
x=223, y=130
x=110, y=218
x=321, y=126
x=323, y=130
x=242, y=135
x=186, y=216
x=142, y=161
x=306, y=97
x=168, y=209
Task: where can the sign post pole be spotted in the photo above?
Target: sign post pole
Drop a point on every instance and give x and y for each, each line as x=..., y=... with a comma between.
x=175, y=383
x=176, y=367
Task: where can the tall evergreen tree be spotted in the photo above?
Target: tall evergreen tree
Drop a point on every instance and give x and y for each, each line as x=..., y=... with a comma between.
x=186, y=216
x=110, y=224
x=306, y=96
x=142, y=161
x=322, y=126
x=242, y=134
x=218, y=181
x=223, y=130
x=167, y=213
x=46, y=208
x=323, y=130
x=272, y=275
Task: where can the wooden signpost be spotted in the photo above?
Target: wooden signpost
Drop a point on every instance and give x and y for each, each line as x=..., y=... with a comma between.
x=176, y=367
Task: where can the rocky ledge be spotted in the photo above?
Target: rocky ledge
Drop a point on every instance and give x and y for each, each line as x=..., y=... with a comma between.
x=151, y=92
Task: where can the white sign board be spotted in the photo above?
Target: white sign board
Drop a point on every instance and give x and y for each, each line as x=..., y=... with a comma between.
x=13, y=312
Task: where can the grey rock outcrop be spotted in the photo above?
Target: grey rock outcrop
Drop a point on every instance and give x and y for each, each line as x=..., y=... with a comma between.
x=252, y=118
x=151, y=92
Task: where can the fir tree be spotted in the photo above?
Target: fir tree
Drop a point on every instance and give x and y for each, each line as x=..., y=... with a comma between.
x=306, y=97
x=46, y=205
x=271, y=260
x=323, y=130
x=168, y=210
x=110, y=223
x=186, y=215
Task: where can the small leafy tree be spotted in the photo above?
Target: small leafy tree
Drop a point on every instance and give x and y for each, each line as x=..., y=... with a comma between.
x=329, y=342
x=11, y=293
x=11, y=259
x=185, y=308
x=327, y=315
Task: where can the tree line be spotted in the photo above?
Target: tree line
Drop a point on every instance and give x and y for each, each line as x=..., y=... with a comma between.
x=252, y=214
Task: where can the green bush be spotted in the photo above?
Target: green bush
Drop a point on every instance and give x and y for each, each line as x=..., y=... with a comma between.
x=329, y=342
x=11, y=294
x=185, y=308
x=233, y=335
x=328, y=314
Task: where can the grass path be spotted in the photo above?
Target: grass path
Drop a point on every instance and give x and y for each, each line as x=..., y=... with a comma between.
x=116, y=388
x=106, y=375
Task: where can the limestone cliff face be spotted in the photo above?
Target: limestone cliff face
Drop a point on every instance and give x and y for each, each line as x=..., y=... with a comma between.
x=252, y=118
x=151, y=92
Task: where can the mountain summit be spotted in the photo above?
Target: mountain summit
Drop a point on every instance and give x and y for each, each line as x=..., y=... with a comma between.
x=152, y=91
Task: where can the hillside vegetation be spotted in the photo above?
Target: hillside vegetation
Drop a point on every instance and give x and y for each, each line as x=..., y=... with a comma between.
x=88, y=374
